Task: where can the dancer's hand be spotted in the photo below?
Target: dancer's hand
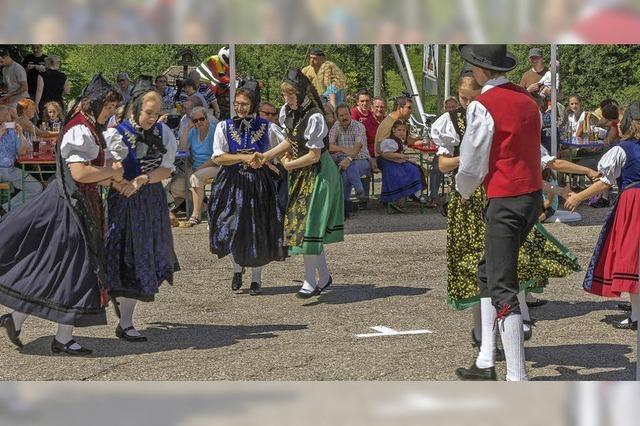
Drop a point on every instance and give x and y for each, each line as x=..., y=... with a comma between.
x=117, y=171
x=256, y=161
x=573, y=201
x=135, y=185
x=286, y=161
x=593, y=175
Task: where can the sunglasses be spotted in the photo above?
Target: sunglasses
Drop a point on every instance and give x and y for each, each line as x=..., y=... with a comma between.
x=269, y=113
x=121, y=80
x=198, y=120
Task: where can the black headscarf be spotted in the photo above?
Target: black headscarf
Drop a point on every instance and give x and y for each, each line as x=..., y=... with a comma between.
x=95, y=92
x=253, y=87
x=307, y=97
x=631, y=113
x=149, y=137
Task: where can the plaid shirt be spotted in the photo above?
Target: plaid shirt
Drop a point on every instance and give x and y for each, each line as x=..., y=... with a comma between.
x=348, y=138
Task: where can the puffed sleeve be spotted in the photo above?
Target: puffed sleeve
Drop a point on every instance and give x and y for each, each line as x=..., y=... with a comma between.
x=116, y=148
x=610, y=165
x=282, y=116
x=171, y=145
x=78, y=145
x=388, y=145
x=316, y=131
x=220, y=143
x=276, y=135
x=444, y=135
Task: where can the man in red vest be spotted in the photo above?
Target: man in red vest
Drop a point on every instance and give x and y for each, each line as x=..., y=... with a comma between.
x=500, y=150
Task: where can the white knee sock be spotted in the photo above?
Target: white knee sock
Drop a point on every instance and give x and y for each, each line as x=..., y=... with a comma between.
x=513, y=343
x=65, y=334
x=18, y=319
x=477, y=321
x=486, y=357
x=256, y=275
x=236, y=268
x=310, y=266
x=323, y=269
x=635, y=305
x=524, y=309
x=127, y=307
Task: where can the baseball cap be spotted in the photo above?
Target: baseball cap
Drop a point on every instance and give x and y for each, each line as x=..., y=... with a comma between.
x=535, y=52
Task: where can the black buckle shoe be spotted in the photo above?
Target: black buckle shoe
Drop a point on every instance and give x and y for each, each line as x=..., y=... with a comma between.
x=624, y=306
x=626, y=324
x=57, y=347
x=323, y=288
x=255, y=288
x=537, y=303
x=236, y=281
x=121, y=333
x=476, y=373
x=6, y=321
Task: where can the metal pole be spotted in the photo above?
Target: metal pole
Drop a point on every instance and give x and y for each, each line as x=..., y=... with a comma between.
x=414, y=87
x=447, y=70
x=232, y=78
x=377, y=70
x=554, y=106
x=401, y=69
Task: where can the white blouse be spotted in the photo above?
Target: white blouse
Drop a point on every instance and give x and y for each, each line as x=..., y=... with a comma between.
x=221, y=144
x=444, y=134
x=78, y=145
x=118, y=150
x=545, y=157
x=611, y=164
x=315, y=132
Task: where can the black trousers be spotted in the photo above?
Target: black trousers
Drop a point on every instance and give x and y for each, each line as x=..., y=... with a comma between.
x=509, y=221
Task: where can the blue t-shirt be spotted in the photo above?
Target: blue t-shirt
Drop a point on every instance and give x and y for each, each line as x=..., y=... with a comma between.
x=9, y=145
x=201, y=151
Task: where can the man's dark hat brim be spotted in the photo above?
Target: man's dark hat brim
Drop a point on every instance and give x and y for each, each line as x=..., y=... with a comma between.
x=472, y=53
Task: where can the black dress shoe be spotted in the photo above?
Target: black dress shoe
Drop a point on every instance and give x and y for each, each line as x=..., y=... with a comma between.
x=476, y=373
x=255, y=288
x=324, y=287
x=626, y=324
x=303, y=294
x=6, y=321
x=536, y=303
x=236, y=282
x=57, y=347
x=121, y=333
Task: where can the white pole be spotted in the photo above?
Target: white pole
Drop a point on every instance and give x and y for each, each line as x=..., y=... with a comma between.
x=412, y=81
x=232, y=78
x=447, y=70
x=377, y=70
x=403, y=74
x=554, y=106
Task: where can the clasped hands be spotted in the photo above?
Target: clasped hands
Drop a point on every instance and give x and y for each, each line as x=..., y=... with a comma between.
x=258, y=159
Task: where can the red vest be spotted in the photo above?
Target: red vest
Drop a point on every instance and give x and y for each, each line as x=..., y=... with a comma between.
x=514, y=161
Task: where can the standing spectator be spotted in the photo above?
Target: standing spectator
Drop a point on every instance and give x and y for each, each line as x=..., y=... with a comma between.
x=34, y=65
x=348, y=147
x=12, y=144
x=15, y=80
x=402, y=111
x=52, y=83
x=268, y=111
x=326, y=77
x=125, y=86
x=166, y=92
x=530, y=79
x=207, y=92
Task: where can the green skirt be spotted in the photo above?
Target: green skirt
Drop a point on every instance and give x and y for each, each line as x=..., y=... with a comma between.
x=541, y=256
x=315, y=214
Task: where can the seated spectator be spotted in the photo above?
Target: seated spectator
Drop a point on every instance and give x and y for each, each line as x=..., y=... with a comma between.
x=52, y=117
x=190, y=89
x=451, y=104
x=188, y=105
x=348, y=147
x=575, y=115
x=207, y=91
x=26, y=113
x=12, y=144
x=268, y=111
x=124, y=86
x=401, y=174
x=167, y=93
x=198, y=139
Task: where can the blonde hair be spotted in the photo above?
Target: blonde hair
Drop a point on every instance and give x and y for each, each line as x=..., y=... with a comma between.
x=288, y=88
x=469, y=86
x=633, y=132
x=53, y=104
x=50, y=60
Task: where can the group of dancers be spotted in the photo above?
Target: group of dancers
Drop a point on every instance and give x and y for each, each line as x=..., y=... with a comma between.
x=279, y=193
x=66, y=259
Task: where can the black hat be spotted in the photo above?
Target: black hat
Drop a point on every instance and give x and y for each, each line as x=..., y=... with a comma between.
x=97, y=88
x=297, y=79
x=492, y=57
x=252, y=86
x=466, y=70
x=317, y=51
